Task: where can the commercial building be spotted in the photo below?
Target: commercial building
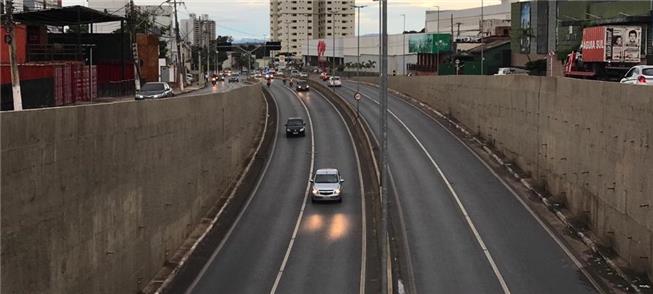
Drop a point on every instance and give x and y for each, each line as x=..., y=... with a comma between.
x=465, y=23
x=34, y=5
x=552, y=29
x=295, y=22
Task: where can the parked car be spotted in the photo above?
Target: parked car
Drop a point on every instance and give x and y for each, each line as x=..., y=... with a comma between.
x=639, y=75
x=302, y=86
x=294, y=73
x=295, y=126
x=303, y=75
x=234, y=79
x=335, y=81
x=504, y=71
x=327, y=185
x=154, y=90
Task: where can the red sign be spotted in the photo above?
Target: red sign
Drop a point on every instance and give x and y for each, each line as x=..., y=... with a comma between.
x=594, y=44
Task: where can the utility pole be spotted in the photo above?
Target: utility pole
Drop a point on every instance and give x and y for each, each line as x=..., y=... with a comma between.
x=180, y=63
x=10, y=28
x=132, y=24
x=482, y=42
x=383, y=89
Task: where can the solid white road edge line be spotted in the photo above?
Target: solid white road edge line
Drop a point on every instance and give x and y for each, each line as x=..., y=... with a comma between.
x=301, y=212
x=233, y=192
x=468, y=219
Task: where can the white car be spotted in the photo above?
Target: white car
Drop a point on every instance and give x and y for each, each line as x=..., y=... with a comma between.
x=504, y=71
x=639, y=75
x=335, y=82
x=327, y=185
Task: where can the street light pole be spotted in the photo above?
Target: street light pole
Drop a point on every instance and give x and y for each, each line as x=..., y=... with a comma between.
x=383, y=94
x=403, y=68
x=358, y=57
x=482, y=43
x=437, y=54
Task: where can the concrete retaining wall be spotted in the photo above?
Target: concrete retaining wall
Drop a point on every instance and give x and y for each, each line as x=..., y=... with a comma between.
x=96, y=197
x=587, y=142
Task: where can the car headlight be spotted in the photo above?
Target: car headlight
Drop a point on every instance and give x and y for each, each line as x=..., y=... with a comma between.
x=315, y=191
x=301, y=130
x=139, y=96
x=336, y=191
x=287, y=130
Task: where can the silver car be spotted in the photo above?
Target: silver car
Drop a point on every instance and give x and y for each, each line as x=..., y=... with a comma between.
x=639, y=75
x=327, y=185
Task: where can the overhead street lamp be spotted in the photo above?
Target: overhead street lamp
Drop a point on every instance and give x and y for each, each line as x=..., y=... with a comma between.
x=358, y=56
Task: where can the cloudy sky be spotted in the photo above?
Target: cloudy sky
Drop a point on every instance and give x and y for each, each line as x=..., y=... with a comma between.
x=250, y=18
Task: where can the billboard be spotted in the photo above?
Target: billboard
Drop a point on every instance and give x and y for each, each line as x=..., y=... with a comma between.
x=525, y=25
x=612, y=44
x=429, y=43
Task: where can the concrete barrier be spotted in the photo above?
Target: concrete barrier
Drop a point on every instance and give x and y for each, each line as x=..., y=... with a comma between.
x=588, y=143
x=95, y=198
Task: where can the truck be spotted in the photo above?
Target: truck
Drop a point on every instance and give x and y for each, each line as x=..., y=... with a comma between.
x=605, y=53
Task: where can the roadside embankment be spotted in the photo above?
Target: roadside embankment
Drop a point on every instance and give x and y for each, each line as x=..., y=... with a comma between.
x=96, y=198
x=586, y=143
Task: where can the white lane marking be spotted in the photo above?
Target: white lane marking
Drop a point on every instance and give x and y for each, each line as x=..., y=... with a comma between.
x=301, y=211
x=361, y=288
x=468, y=219
x=402, y=222
x=546, y=228
x=251, y=196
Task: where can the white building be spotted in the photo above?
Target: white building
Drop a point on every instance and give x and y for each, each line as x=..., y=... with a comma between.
x=346, y=52
x=295, y=22
x=467, y=22
x=34, y=5
x=117, y=7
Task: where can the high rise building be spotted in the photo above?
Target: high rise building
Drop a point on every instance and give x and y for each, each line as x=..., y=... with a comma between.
x=294, y=22
x=197, y=30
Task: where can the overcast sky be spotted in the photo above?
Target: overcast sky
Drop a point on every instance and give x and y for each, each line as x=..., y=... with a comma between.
x=250, y=18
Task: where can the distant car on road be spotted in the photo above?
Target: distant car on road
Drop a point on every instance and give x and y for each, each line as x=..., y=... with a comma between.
x=327, y=185
x=335, y=82
x=303, y=75
x=234, y=79
x=639, y=75
x=504, y=71
x=154, y=90
x=302, y=86
x=324, y=76
x=294, y=73
x=295, y=126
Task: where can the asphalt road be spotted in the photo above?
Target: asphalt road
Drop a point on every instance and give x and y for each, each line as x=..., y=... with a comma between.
x=280, y=245
x=466, y=232
x=220, y=87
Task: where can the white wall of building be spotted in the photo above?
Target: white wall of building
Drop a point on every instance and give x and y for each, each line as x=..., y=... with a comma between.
x=116, y=7
x=469, y=19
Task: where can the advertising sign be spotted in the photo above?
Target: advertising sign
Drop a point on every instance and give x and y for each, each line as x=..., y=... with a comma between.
x=429, y=43
x=612, y=44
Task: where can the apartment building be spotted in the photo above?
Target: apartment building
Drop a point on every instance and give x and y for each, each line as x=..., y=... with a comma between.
x=197, y=30
x=295, y=22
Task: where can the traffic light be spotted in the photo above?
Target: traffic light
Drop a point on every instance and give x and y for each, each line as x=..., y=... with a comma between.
x=273, y=45
x=226, y=46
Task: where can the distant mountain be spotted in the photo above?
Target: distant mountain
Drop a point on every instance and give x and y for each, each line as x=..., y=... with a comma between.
x=247, y=40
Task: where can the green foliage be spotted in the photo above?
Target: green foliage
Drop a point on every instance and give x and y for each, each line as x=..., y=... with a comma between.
x=536, y=67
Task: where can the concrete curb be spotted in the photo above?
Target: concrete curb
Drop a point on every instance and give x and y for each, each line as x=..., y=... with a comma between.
x=591, y=244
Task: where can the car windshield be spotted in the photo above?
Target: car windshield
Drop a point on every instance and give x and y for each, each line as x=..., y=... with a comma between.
x=335, y=78
x=301, y=83
x=647, y=71
x=152, y=87
x=295, y=122
x=330, y=179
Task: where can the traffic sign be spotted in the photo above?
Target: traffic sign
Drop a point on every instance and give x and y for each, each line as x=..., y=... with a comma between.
x=357, y=96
